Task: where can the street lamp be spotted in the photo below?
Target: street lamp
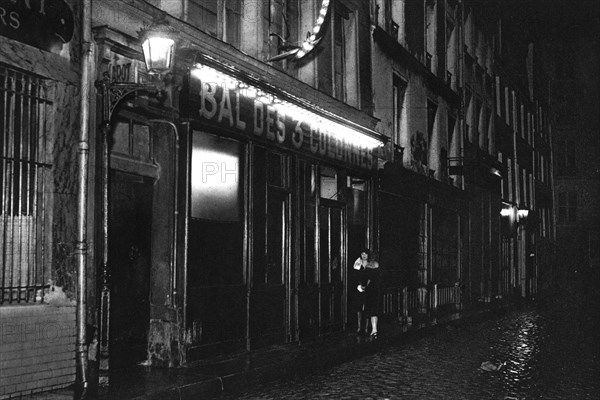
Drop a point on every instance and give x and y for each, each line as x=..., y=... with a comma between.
x=158, y=46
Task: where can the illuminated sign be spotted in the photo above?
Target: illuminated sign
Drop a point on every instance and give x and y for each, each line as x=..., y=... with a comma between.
x=45, y=24
x=223, y=101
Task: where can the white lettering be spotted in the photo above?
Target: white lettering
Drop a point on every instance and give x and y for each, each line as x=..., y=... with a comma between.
x=238, y=122
x=270, y=122
x=225, y=108
x=322, y=143
x=298, y=136
x=207, y=97
x=314, y=145
x=280, y=123
x=258, y=119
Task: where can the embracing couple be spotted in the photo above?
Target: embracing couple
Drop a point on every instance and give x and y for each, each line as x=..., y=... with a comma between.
x=364, y=287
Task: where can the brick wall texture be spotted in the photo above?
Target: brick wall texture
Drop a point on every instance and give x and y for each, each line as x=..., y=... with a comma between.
x=37, y=348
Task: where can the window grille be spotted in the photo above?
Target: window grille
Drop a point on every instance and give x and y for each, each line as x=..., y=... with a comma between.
x=24, y=108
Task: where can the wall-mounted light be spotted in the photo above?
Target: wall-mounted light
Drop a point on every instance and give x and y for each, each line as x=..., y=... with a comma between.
x=496, y=172
x=313, y=37
x=158, y=45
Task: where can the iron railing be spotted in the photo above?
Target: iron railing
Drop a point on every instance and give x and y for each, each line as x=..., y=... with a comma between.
x=24, y=170
x=402, y=304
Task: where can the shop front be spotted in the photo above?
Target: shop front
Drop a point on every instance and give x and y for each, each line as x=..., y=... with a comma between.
x=277, y=205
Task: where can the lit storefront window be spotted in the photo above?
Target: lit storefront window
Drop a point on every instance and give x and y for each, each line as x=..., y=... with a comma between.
x=216, y=185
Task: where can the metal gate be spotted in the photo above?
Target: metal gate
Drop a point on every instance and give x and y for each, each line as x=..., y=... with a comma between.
x=24, y=171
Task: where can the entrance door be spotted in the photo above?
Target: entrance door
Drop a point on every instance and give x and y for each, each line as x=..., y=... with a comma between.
x=356, y=214
x=129, y=258
x=307, y=290
x=330, y=272
x=270, y=295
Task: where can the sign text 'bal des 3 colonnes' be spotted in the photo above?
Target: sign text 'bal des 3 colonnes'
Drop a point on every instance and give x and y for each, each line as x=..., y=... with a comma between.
x=240, y=109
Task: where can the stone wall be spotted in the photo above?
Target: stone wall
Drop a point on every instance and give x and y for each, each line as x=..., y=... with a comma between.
x=37, y=348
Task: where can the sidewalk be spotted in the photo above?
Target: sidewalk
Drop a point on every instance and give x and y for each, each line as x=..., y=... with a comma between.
x=210, y=378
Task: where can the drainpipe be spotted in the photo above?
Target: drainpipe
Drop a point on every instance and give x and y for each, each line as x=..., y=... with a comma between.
x=175, y=135
x=461, y=84
x=82, y=189
x=461, y=87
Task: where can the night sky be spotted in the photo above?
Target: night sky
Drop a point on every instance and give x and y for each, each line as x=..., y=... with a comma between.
x=566, y=18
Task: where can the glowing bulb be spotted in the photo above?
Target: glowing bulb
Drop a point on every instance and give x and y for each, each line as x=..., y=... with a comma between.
x=251, y=92
x=307, y=47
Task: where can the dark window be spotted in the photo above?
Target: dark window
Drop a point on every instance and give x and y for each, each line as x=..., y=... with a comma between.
x=204, y=15
x=309, y=185
x=572, y=207
x=566, y=164
x=431, y=26
x=132, y=140
x=329, y=183
x=451, y=126
x=332, y=61
x=233, y=17
x=444, y=246
x=339, y=53
x=219, y=18
x=567, y=208
x=281, y=28
x=565, y=107
x=431, y=116
x=476, y=120
x=565, y=63
x=357, y=201
x=415, y=26
x=594, y=242
x=399, y=90
x=271, y=216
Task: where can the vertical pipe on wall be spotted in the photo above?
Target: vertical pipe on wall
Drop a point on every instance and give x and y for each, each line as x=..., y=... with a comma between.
x=185, y=10
x=82, y=189
x=173, y=276
x=460, y=84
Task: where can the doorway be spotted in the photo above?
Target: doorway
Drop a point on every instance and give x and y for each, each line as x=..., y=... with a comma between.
x=330, y=262
x=129, y=249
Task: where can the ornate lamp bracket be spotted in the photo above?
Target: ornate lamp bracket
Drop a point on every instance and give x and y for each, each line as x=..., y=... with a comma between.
x=114, y=92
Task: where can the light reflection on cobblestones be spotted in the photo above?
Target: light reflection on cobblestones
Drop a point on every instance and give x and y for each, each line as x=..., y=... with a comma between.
x=551, y=352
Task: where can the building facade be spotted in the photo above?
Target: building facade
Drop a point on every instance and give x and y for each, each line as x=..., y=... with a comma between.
x=574, y=99
x=224, y=211
x=39, y=82
x=524, y=137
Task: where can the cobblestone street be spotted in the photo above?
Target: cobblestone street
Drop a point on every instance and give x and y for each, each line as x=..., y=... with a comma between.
x=551, y=351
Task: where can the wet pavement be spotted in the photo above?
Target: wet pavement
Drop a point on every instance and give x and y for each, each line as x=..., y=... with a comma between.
x=551, y=350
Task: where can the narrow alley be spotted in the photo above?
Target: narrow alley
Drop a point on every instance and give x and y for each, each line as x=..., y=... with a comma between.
x=550, y=350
